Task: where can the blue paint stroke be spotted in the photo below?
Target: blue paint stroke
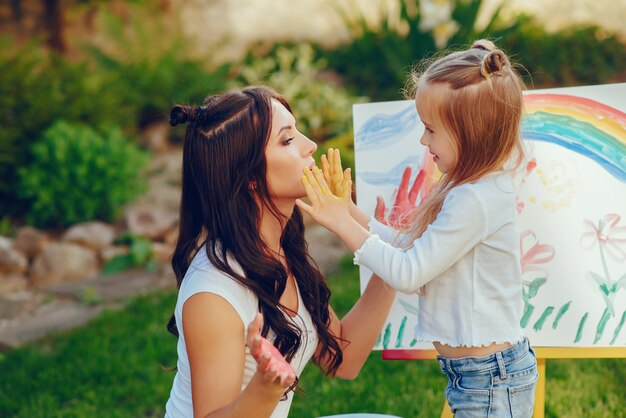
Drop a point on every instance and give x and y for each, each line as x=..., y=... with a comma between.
x=393, y=176
x=580, y=137
x=381, y=129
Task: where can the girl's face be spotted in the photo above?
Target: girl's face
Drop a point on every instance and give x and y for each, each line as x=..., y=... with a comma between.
x=287, y=153
x=436, y=137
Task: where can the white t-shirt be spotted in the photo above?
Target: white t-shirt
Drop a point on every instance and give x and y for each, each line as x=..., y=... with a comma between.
x=202, y=276
x=468, y=259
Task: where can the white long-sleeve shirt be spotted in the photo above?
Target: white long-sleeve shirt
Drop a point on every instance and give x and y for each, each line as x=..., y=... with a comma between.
x=468, y=260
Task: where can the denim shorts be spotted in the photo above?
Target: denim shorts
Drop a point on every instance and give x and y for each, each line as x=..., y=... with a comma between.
x=501, y=384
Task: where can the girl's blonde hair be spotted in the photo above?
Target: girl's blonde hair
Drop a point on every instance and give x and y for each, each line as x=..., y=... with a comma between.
x=482, y=112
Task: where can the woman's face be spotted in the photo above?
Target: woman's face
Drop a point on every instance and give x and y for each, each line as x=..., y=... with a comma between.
x=287, y=153
x=436, y=137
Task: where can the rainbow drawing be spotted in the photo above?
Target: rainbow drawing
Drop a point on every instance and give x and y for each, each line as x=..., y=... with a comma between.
x=585, y=126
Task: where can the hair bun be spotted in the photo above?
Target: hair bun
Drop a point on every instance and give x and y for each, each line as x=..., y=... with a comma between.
x=493, y=62
x=484, y=44
x=182, y=114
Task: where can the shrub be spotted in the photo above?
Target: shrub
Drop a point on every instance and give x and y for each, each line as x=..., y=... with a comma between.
x=38, y=87
x=150, y=63
x=323, y=108
x=377, y=60
x=79, y=174
x=578, y=55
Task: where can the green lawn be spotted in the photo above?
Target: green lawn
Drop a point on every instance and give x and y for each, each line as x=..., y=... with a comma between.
x=117, y=367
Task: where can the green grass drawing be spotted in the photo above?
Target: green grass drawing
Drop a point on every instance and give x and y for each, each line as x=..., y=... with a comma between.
x=539, y=324
x=581, y=325
x=560, y=313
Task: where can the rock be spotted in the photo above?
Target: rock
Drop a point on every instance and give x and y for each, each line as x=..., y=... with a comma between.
x=63, y=262
x=162, y=253
x=11, y=260
x=171, y=236
x=11, y=283
x=94, y=235
x=106, y=254
x=30, y=241
x=151, y=223
x=56, y=315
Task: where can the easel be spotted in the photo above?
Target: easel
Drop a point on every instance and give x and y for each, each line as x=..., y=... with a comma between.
x=543, y=354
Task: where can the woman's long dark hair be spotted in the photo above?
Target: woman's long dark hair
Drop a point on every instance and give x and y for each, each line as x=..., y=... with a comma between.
x=223, y=155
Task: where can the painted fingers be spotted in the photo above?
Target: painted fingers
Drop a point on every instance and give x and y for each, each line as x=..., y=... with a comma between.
x=333, y=173
x=270, y=362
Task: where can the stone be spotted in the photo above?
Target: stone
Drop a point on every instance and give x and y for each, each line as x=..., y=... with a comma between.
x=11, y=260
x=149, y=222
x=106, y=254
x=30, y=241
x=11, y=283
x=64, y=262
x=171, y=236
x=95, y=235
x=162, y=253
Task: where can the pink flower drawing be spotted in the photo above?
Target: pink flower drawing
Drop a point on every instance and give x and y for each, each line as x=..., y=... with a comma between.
x=534, y=254
x=608, y=234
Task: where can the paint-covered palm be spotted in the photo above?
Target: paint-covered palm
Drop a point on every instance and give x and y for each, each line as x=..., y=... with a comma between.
x=405, y=201
x=270, y=362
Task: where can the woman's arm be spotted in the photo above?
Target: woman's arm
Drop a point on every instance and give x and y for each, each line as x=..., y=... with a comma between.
x=360, y=328
x=214, y=336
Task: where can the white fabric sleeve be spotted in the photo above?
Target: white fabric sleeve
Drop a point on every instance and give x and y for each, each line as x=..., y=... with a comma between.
x=385, y=232
x=460, y=225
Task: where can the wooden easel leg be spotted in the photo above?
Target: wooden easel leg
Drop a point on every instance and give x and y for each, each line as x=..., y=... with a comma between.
x=540, y=393
x=446, y=412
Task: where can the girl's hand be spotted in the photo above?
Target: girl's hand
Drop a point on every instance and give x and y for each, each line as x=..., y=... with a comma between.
x=334, y=174
x=404, y=203
x=270, y=363
x=326, y=208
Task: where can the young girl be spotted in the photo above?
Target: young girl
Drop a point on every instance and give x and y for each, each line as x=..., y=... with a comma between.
x=463, y=252
x=243, y=270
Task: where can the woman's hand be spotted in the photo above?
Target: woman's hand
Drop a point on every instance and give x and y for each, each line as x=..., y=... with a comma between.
x=328, y=209
x=270, y=363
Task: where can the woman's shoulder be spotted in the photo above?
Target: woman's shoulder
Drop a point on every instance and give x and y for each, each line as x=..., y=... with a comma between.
x=203, y=276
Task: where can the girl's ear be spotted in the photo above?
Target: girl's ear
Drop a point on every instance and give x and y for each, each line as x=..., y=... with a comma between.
x=252, y=185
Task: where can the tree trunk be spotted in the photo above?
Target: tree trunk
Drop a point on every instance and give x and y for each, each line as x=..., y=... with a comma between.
x=54, y=24
x=16, y=9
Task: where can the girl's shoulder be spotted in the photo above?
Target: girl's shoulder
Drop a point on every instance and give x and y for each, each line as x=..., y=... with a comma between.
x=490, y=185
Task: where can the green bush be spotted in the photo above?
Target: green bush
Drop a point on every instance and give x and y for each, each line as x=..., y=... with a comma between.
x=139, y=254
x=323, y=108
x=79, y=174
x=150, y=64
x=578, y=55
x=379, y=57
x=38, y=87
x=377, y=60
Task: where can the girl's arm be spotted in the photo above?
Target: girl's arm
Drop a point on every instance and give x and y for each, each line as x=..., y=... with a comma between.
x=360, y=328
x=460, y=225
x=214, y=337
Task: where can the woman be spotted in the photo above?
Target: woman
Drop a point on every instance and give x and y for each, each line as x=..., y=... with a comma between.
x=241, y=251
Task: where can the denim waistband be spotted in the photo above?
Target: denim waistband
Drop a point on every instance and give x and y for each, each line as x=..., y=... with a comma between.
x=490, y=361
